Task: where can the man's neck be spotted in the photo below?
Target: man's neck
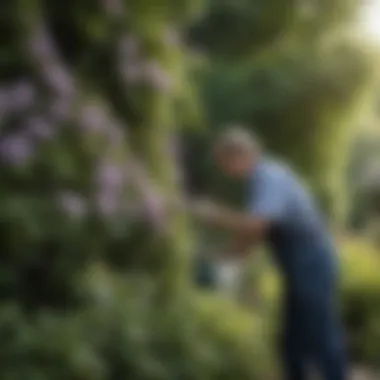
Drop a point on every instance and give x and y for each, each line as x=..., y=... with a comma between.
x=256, y=163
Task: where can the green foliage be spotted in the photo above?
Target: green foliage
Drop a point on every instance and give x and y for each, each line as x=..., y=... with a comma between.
x=75, y=192
x=231, y=28
x=124, y=335
x=239, y=28
x=363, y=180
x=361, y=299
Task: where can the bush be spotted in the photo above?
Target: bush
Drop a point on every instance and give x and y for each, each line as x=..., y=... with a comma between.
x=360, y=291
x=240, y=337
x=122, y=334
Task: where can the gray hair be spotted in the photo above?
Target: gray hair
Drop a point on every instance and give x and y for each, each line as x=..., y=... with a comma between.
x=235, y=138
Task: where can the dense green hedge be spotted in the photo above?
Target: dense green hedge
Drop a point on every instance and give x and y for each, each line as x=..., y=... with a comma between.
x=123, y=335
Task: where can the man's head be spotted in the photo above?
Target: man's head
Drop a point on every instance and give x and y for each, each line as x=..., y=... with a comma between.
x=235, y=152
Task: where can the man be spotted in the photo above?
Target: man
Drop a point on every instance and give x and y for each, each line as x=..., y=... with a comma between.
x=282, y=213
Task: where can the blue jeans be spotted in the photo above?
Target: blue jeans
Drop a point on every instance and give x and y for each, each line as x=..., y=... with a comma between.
x=313, y=336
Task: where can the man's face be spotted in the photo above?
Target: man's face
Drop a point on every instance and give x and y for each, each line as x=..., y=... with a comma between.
x=237, y=165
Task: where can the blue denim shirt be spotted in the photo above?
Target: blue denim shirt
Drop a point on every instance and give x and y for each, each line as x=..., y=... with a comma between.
x=299, y=240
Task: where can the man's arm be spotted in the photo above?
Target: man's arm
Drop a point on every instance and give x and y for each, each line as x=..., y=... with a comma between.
x=247, y=226
x=267, y=207
x=247, y=229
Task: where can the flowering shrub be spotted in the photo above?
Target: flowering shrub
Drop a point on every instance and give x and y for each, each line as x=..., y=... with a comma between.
x=85, y=99
x=91, y=90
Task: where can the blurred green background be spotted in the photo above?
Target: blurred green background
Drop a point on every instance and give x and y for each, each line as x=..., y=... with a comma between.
x=108, y=109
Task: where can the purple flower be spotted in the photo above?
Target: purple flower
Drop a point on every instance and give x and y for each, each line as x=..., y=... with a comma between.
x=154, y=208
x=39, y=128
x=128, y=48
x=109, y=176
x=92, y=119
x=60, y=109
x=45, y=53
x=115, y=133
x=17, y=98
x=109, y=182
x=59, y=80
x=157, y=77
x=16, y=150
x=41, y=45
x=73, y=204
x=21, y=96
x=152, y=202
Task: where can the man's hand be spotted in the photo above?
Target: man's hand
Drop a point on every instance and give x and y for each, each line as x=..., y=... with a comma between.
x=205, y=210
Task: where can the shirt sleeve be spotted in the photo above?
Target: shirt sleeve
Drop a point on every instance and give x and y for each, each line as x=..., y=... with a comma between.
x=269, y=197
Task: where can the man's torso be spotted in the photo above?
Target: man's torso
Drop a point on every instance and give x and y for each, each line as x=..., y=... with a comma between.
x=299, y=239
